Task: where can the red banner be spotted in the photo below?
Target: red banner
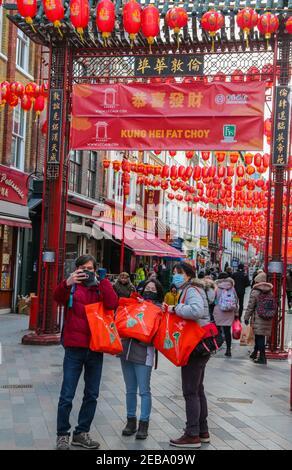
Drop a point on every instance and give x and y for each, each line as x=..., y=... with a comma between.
x=168, y=116
x=13, y=186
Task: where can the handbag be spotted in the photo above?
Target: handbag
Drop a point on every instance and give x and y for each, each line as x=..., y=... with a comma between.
x=211, y=342
x=104, y=335
x=236, y=329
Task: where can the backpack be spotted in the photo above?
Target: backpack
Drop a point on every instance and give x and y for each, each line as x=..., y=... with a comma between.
x=227, y=300
x=266, y=306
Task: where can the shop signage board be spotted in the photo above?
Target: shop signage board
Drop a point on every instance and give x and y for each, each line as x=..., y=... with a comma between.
x=175, y=116
x=55, y=125
x=13, y=186
x=281, y=125
x=180, y=65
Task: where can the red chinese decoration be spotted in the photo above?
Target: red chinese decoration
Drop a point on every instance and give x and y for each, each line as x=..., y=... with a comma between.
x=132, y=19
x=172, y=153
x=246, y=20
x=27, y=9
x=31, y=90
x=288, y=25
x=268, y=24
x=190, y=154
x=17, y=88
x=212, y=21
x=237, y=76
x=248, y=158
x=5, y=92
x=176, y=18
x=39, y=104
x=26, y=102
x=105, y=18
x=150, y=23
x=253, y=75
x=12, y=100
x=54, y=11
x=206, y=156
x=79, y=15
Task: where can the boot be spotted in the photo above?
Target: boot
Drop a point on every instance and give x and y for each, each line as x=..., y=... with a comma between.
x=261, y=360
x=253, y=355
x=228, y=352
x=142, y=430
x=131, y=427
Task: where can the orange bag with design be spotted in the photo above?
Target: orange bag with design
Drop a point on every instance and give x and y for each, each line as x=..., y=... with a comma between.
x=138, y=320
x=176, y=338
x=104, y=335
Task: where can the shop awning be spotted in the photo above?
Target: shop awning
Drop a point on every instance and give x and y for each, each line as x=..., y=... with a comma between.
x=141, y=243
x=14, y=222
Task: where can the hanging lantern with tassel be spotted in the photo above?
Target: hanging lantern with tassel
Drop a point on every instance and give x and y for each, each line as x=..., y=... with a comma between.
x=268, y=24
x=26, y=102
x=54, y=11
x=212, y=21
x=176, y=18
x=132, y=19
x=150, y=23
x=79, y=15
x=17, y=88
x=4, y=92
x=247, y=19
x=39, y=105
x=105, y=18
x=28, y=9
x=288, y=25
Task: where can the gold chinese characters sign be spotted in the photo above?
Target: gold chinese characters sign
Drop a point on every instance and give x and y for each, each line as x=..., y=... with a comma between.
x=163, y=66
x=281, y=125
x=55, y=125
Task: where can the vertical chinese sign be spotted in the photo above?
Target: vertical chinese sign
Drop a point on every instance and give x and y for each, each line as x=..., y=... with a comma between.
x=55, y=125
x=281, y=126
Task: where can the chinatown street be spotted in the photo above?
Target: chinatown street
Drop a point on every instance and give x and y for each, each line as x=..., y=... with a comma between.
x=248, y=403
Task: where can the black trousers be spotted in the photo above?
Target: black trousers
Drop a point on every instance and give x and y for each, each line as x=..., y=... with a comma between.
x=241, y=300
x=260, y=344
x=227, y=335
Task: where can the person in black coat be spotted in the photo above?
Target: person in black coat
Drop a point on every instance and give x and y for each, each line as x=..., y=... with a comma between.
x=241, y=283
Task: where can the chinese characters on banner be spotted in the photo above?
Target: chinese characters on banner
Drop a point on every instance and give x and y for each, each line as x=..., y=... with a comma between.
x=55, y=125
x=282, y=126
x=179, y=116
x=164, y=66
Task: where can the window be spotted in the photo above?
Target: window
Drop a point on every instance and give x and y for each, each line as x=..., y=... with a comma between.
x=22, y=51
x=75, y=172
x=91, y=175
x=18, y=138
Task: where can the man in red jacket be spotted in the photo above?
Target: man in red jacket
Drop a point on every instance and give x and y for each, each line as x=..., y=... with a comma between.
x=74, y=293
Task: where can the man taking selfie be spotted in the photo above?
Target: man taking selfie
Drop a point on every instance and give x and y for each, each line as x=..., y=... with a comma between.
x=82, y=287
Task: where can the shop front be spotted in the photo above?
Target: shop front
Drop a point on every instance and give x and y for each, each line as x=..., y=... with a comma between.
x=14, y=219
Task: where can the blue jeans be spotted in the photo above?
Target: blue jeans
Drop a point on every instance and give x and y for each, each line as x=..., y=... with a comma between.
x=74, y=361
x=137, y=375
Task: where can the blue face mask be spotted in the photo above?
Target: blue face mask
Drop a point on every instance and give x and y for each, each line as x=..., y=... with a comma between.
x=178, y=280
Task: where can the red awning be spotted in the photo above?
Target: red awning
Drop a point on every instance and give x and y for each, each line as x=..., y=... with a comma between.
x=142, y=244
x=14, y=222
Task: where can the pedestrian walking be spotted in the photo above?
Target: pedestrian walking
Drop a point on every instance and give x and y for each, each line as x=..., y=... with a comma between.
x=171, y=297
x=259, y=313
x=192, y=305
x=226, y=307
x=81, y=288
x=137, y=361
x=123, y=286
x=289, y=288
x=241, y=283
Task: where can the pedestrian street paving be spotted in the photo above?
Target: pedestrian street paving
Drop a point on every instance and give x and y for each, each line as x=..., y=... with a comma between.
x=248, y=403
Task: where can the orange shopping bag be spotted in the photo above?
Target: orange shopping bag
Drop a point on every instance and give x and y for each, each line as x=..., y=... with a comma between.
x=176, y=338
x=104, y=335
x=138, y=320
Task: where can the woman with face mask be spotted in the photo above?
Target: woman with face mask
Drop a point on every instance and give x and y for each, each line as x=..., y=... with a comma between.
x=137, y=361
x=192, y=305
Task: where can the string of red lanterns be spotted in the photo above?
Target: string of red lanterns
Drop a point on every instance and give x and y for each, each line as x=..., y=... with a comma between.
x=28, y=96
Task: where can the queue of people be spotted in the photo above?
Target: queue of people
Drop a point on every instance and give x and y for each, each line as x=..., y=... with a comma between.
x=200, y=299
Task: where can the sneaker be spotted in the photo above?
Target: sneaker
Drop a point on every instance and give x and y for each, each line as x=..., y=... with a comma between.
x=84, y=440
x=260, y=360
x=228, y=353
x=205, y=437
x=253, y=355
x=63, y=442
x=191, y=442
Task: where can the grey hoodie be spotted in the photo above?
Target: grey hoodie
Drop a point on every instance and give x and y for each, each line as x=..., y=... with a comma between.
x=195, y=303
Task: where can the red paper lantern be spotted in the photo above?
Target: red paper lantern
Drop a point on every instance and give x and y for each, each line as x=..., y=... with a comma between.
x=288, y=25
x=250, y=170
x=190, y=154
x=150, y=23
x=253, y=75
x=220, y=156
x=206, y=156
x=266, y=160
x=132, y=19
x=240, y=171
x=237, y=76
x=54, y=11
x=176, y=18
x=246, y=20
x=157, y=152
x=212, y=21
x=17, y=88
x=234, y=156
x=39, y=104
x=170, y=196
x=27, y=9
x=257, y=160
x=172, y=153
x=5, y=92
x=26, y=102
x=230, y=171
x=105, y=18
x=197, y=173
x=79, y=15
x=165, y=172
x=164, y=185
x=179, y=197
x=248, y=158
x=181, y=171
x=268, y=127
x=116, y=165
x=12, y=100
x=268, y=24
x=211, y=171
x=188, y=173
x=173, y=172
x=31, y=90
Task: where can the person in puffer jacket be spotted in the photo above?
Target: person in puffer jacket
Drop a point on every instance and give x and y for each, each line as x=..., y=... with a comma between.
x=192, y=305
x=74, y=295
